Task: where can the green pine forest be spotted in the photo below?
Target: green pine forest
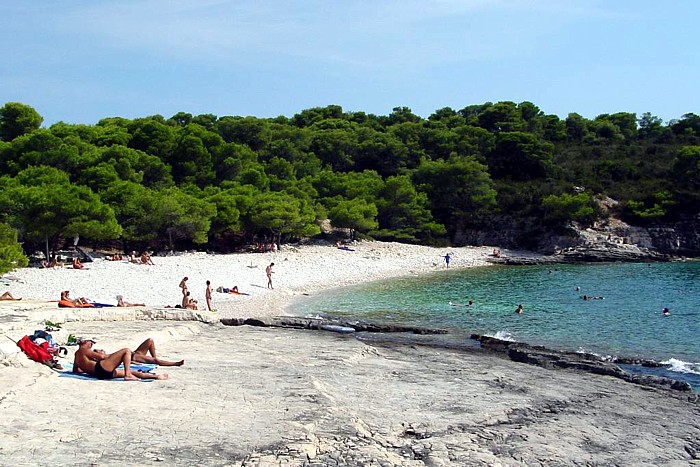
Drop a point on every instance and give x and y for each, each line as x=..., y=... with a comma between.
x=219, y=183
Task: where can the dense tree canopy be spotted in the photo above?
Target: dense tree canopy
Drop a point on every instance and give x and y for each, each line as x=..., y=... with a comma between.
x=200, y=180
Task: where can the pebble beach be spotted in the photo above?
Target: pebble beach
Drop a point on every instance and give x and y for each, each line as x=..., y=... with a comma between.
x=270, y=396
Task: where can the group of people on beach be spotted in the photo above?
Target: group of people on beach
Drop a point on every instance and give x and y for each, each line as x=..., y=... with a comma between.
x=192, y=304
x=187, y=301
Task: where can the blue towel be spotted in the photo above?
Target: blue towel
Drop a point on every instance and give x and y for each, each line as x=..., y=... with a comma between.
x=70, y=374
x=144, y=367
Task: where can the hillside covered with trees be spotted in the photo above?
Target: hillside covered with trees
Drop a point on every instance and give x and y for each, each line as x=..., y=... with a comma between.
x=219, y=182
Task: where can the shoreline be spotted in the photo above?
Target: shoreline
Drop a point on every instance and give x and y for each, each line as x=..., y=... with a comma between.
x=259, y=396
x=517, y=351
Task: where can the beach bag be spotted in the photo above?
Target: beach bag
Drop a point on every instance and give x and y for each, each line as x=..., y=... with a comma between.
x=38, y=353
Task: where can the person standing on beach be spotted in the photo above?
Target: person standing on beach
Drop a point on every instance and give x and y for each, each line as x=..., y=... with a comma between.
x=268, y=271
x=185, y=291
x=207, y=295
x=447, y=260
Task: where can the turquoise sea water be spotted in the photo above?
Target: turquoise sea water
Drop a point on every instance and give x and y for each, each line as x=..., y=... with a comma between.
x=626, y=322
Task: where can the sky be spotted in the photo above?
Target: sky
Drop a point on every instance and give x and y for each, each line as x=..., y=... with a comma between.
x=80, y=61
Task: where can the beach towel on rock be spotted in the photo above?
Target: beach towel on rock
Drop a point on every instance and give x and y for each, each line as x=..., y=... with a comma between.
x=70, y=374
x=143, y=367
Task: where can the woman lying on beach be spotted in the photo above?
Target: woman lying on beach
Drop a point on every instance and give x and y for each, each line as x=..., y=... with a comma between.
x=65, y=296
x=141, y=355
x=8, y=296
x=121, y=302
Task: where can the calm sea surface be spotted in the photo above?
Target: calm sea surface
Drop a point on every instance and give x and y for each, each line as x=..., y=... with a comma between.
x=626, y=321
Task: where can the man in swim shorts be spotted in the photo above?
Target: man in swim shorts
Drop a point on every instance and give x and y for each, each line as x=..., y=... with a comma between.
x=104, y=366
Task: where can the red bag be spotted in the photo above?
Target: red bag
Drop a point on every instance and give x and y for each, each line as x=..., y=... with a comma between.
x=35, y=352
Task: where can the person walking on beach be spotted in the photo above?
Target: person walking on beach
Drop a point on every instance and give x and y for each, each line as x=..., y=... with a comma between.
x=104, y=366
x=447, y=260
x=268, y=271
x=207, y=295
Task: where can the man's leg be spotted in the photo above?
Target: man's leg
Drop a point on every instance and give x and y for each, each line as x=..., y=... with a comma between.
x=140, y=375
x=113, y=360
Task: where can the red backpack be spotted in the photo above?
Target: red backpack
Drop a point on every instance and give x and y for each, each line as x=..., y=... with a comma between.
x=38, y=353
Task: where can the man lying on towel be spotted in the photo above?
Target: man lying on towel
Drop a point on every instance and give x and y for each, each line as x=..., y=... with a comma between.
x=104, y=366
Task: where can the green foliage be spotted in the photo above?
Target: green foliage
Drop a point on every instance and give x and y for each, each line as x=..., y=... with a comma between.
x=11, y=253
x=281, y=215
x=181, y=216
x=18, y=119
x=579, y=207
x=42, y=203
x=180, y=180
x=686, y=171
x=458, y=190
x=404, y=213
x=355, y=214
x=652, y=208
x=520, y=156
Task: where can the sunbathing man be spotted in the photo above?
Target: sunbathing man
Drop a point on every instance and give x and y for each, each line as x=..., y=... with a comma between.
x=104, y=366
x=77, y=264
x=141, y=355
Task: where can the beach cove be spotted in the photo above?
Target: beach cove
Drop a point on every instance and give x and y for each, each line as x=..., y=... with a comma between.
x=271, y=396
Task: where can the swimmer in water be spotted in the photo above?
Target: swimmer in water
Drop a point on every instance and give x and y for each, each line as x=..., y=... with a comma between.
x=665, y=311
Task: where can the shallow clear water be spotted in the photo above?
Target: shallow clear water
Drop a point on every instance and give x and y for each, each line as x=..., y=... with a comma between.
x=627, y=321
